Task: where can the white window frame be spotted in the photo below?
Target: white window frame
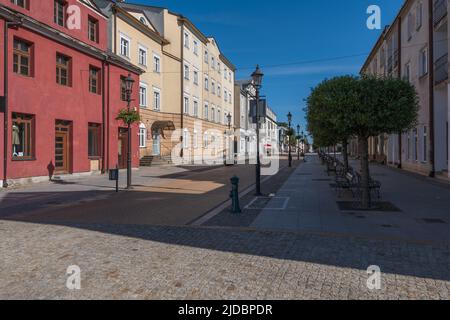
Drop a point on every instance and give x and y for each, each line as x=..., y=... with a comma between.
x=195, y=49
x=187, y=71
x=219, y=91
x=156, y=102
x=128, y=48
x=145, y=56
x=206, y=83
x=142, y=136
x=186, y=40
x=206, y=57
x=186, y=104
x=419, y=15
x=423, y=62
x=195, y=104
x=196, y=77
x=156, y=65
x=206, y=111
x=143, y=99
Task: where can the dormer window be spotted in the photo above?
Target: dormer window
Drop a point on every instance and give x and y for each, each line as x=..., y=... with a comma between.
x=143, y=21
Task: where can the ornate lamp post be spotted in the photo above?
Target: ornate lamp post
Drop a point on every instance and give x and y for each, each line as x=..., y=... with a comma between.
x=289, y=116
x=129, y=82
x=257, y=77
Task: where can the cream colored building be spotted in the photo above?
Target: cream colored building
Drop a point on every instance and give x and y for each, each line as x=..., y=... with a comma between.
x=416, y=50
x=187, y=98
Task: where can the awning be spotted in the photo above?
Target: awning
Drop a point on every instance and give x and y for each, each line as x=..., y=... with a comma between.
x=161, y=126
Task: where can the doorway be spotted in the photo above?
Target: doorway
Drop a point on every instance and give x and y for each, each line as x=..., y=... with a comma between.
x=156, y=144
x=122, y=148
x=62, y=147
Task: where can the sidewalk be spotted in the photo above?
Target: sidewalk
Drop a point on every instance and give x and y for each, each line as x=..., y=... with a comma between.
x=307, y=203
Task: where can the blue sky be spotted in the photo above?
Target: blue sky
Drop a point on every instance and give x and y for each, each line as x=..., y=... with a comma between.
x=282, y=35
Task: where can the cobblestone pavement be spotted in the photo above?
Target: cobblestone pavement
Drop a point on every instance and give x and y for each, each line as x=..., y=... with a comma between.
x=145, y=262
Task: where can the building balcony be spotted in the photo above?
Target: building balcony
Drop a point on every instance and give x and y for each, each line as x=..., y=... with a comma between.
x=441, y=69
x=439, y=11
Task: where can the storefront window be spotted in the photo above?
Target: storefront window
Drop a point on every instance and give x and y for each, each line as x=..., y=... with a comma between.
x=22, y=136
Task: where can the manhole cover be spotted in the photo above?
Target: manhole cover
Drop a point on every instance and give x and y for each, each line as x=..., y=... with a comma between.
x=268, y=203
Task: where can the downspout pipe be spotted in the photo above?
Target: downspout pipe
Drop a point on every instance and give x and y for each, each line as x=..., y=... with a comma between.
x=431, y=87
x=104, y=126
x=7, y=25
x=182, y=92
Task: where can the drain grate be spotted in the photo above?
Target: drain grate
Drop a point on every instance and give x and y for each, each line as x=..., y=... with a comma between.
x=434, y=221
x=268, y=203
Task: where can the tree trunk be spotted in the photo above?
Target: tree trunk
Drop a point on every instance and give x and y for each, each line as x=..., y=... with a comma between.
x=345, y=154
x=365, y=173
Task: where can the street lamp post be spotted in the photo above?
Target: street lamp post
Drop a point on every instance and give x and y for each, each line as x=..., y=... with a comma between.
x=257, y=77
x=289, y=138
x=298, y=142
x=129, y=82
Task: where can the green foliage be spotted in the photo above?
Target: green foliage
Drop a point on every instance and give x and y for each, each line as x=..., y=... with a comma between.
x=129, y=116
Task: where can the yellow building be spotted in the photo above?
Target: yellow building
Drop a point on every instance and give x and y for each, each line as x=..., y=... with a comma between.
x=188, y=89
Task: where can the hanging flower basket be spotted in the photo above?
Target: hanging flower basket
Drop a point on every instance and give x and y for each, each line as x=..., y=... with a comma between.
x=129, y=116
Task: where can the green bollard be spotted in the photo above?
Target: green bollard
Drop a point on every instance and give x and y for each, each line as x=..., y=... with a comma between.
x=234, y=195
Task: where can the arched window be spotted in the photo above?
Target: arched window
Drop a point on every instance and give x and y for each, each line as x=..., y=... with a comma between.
x=142, y=136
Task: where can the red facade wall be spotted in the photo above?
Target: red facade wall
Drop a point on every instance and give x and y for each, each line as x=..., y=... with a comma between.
x=42, y=10
x=48, y=101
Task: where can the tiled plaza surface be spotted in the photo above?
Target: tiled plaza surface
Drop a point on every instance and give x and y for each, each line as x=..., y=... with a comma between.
x=300, y=246
x=120, y=262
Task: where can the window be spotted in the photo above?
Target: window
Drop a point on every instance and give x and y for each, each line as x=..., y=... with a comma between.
x=219, y=67
x=142, y=136
x=20, y=3
x=93, y=29
x=416, y=141
x=408, y=72
x=419, y=16
x=185, y=139
x=94, y=140
x=205, y=112
x=219, y=116
x=423, y=63
x=186, y=72
x=206, y=57
x=22, y=58
x=156, y=63
x=213, y=87
x=195, y=108
x=213, y=114
x=22, y=136
x=425, y=145
x=219, y=91
x=143, y=95
x=59, y=12
x=205, y=141
x=410, y=26
x=124, y=46
x=206, y=83
x=229, y=98
x=196, y=77
x=142, y=56
x=156, y=99
x=213, y=63
x=94, y=80
x=195, y=139
x=186, y=40
x=195, y=47
x=225, y=73
x=123, y=88
x=62, y=70
x=229, y=77
x=186, y=105
x=225, y=95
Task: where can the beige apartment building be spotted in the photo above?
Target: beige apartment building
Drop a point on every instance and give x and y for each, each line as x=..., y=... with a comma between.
x=415, y=48
x=186, y=94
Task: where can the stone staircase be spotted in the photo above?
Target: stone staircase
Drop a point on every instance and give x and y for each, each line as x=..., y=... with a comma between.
x=151, y=161
x=146, y=161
